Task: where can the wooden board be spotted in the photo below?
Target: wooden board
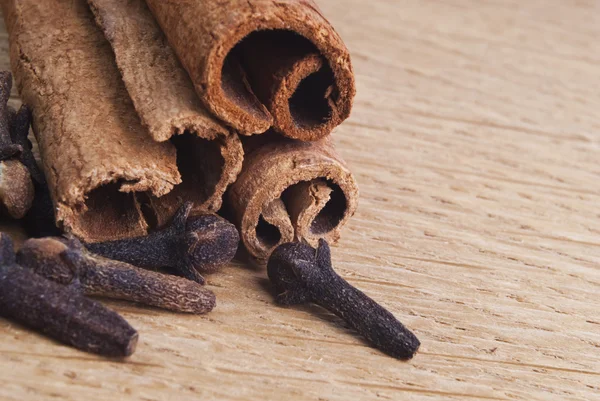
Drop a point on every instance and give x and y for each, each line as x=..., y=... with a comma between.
x=475, y=139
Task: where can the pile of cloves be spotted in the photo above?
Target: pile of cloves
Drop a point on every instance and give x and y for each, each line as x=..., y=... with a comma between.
x=60, y=312
x=46, y=284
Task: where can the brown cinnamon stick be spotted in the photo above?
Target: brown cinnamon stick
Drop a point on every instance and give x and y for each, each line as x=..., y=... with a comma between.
x=290, y=190
x=95, y=151
x=209, y=155
x=262, y=63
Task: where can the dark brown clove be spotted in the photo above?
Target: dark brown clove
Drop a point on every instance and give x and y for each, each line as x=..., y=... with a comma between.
x=8, y=149
x=202, y=243
x=302, y=274
x=16, y=189
x=67, y=262
x=39, y=220
x=60, y=312
x=19, y=133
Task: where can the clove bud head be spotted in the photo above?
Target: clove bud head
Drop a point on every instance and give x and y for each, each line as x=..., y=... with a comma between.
x=214, y=242
x=42, y=255
x=16, y=188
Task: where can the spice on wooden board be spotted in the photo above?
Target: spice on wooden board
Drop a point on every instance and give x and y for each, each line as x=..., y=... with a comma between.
x=186, y=245
x=60, y=312
x=66, y=261
x=302, y=274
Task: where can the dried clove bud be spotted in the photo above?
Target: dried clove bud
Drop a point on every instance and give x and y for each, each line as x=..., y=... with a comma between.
x=67, y=262
x=19, y=133
x=8, y=149
x=60, y=312
x=39, y=220
x=302, y=274
x=16, y=189
x=202, y=243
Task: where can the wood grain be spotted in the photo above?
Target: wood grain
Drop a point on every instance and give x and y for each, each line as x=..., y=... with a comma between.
x=475, y=139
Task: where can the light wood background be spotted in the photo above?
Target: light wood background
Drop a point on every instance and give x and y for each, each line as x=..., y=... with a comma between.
x=475, y=139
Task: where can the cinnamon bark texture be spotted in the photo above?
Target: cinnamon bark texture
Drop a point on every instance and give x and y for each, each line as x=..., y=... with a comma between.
x=262, y=63
x=96, y=154
x=209, y=155
x=290, y=190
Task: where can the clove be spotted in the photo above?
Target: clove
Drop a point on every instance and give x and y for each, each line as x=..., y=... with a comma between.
x=202, y=243
x=8, y=149
x=16, y=188
x=60, y=312
x=302, y=274
x=19, y=133
x=39, y=220
x=67, y=262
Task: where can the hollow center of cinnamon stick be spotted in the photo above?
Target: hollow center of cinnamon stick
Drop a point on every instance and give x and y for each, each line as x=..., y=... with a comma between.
x=306, y=218
x=333, y=212
x=308, y=105
x=110, y=214
x=280, y=74
x=201, y=165
x=267, y=233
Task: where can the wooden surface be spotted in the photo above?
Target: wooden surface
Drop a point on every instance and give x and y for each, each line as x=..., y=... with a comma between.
x=475, y=139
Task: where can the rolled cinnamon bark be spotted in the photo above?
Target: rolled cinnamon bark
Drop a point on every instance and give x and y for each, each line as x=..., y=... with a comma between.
x=290, y=190
x=262, y=63
x=95, y=151
x=209, y=155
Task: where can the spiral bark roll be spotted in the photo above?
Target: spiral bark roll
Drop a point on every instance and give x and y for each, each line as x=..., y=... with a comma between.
x=258, y=64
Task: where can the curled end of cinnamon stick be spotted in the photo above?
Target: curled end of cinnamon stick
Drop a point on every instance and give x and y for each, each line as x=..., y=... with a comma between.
x=292, y=191
x=105, y=211
x=207, y=168
x=263, y=64
x=94, y=149
x=288, y=78
x=291, y=78
x=209, y=155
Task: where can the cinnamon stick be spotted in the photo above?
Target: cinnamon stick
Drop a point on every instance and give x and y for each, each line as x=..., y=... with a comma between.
x=290, y=190
x=95, y=152
x=209, y=155
x=262, y=63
